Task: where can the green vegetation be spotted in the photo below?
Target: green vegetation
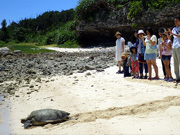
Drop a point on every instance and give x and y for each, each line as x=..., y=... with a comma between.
x=59, y=36
x=69, y=44
x=30, y=48
x=49, y=28
x=135, y=7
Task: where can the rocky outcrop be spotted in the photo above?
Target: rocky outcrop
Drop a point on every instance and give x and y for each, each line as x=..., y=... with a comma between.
x=18, y=67
x=100, y=27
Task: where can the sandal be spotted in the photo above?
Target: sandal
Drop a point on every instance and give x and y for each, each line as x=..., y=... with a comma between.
x=133, y=77
x=155, y=78
x=176, y=81
x=149, y=78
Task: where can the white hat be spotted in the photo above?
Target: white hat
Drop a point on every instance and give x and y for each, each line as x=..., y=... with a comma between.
x=141, y=32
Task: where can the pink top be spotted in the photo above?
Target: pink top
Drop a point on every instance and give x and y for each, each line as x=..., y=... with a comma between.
x=166, y=51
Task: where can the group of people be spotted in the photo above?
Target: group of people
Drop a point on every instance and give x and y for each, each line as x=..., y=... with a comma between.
x=144, y=51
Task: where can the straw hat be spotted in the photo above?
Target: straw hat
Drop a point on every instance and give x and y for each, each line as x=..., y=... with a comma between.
x=118, y=33
x=141, y=32
x=124, y=54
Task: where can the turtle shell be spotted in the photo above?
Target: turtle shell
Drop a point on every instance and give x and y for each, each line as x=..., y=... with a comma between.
x=45, y=116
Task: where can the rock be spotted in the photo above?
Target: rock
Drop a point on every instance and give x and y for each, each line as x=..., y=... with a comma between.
x=17, y=51
x=31, y=71
x=1, y=80
x=88, y=74
x=88, y=67
x=11, y=92
x=31, y=86
x=29, y=92
x=47, y=81
x=4, y=50
x=100, y=70
x=38, y=79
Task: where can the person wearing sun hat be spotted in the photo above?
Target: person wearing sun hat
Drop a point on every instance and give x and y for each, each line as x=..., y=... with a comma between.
x=120, y=43
x=140, y=51
x=126, y=64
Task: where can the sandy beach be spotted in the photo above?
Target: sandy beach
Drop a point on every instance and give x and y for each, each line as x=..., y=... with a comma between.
x=105, y=103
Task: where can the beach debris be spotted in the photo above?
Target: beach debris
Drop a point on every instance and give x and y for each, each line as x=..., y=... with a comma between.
x=45, y=116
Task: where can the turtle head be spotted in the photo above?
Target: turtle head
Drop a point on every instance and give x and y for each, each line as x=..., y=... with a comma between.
x=27, y=124
x=23, y=120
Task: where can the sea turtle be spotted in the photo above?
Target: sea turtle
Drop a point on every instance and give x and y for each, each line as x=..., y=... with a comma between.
x=44, y=116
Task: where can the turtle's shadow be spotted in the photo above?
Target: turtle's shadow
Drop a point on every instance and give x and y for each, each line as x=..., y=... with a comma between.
x=43, y=126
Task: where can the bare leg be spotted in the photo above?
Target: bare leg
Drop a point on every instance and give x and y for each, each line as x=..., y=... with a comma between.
x=149, y=68
x=153, y=62
x=119, y=64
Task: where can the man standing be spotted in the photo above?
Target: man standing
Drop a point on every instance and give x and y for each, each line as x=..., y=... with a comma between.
x=176, y=46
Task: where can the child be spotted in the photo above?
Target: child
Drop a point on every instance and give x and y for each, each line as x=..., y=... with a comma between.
x=134, y=62
x=120, y=42
x=126, y=64
x=166, y=53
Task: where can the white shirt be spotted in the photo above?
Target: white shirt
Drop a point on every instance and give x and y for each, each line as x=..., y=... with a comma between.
x=119, y=48
x=176, y=41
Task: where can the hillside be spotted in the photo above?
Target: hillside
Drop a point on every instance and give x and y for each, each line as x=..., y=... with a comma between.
x=100, y=19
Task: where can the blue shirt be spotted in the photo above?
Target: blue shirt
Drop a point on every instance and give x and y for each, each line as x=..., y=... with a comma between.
x=176, y=40
x=140, y=47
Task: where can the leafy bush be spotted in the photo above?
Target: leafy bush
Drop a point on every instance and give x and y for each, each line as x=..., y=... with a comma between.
x=83, y=5
x=59, y=36
x=135, y=9
x=69, y=44
x=2, y=43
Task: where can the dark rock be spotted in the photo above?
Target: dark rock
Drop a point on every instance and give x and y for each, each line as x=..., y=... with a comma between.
x=88, y=74
x=88, y=67
x=100, y=70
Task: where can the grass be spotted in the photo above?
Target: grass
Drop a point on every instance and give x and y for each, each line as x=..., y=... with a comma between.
x=32, y=48
x=29, y=48
x=69, y=44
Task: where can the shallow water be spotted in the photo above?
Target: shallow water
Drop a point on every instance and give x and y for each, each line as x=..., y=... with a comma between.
x=4, y=118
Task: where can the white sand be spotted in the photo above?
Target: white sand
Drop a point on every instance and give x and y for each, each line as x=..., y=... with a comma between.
x=104, y=102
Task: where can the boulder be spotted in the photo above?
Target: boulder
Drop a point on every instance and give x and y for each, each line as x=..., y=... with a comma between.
x=4, y=50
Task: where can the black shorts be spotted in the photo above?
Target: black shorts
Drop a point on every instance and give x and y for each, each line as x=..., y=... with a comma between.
x=166, y=57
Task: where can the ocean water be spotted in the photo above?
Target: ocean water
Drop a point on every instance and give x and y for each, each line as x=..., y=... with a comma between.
x=4, y=118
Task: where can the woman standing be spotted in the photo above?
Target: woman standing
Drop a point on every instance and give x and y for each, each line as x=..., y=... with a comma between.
x=135, y=37
x=151, y=52
x=166, y=51
x=120, y=42
x=141, y=50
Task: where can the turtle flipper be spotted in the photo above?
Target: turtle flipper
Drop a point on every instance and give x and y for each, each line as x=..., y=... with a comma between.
x=27, y=124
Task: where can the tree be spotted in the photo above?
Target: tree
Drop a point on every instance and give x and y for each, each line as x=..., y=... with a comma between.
x=4, y=33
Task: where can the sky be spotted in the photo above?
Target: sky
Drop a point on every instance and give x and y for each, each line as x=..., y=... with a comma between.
x=16, y=10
